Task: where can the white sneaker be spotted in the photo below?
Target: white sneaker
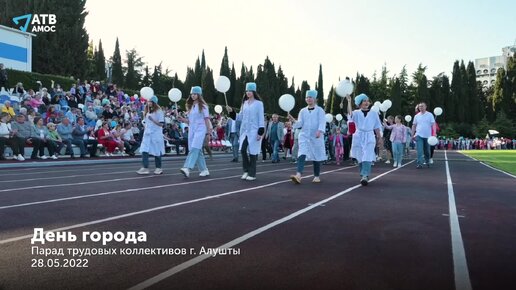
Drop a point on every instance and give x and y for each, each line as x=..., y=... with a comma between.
x=43, y=157
x=54, y=157
x=388, y=161
x=244, y=176
x=158, y=171
x=204, y=173
x=395, y=164
x=143, y=171
x=185, y=171
x=431, y=161
x=399, y=165
x=250, y=178
x=20, y=158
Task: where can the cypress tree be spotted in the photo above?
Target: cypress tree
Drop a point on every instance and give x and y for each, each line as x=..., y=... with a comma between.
x=320, y=88
x=463, y=104
x=473, y=99
x=456, y=87
x=117, y=75
x=100, y=63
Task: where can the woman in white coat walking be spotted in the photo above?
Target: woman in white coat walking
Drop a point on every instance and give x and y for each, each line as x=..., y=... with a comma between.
x=152, y=141
x=312, y=123
x=364, y=141
x=252, y=129
x=199, y=126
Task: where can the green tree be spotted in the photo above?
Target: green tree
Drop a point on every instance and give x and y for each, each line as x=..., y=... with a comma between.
x=146, y=81
x=498, y=91
x=100, y=63
x=319, y=86
x=456, y=90
x=117, y=75
x=134, y=64
x=473, y=98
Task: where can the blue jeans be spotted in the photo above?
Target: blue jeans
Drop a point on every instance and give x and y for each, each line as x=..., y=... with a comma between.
x=145, y=160
x=301, y=165
x=423, y=150
x=275, y=150
x=233, y=138
x=397, y=152
x=195, y=156
x=365, y=168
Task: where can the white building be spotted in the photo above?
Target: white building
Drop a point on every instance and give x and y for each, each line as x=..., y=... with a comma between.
x=487, y=67
x=16, y=49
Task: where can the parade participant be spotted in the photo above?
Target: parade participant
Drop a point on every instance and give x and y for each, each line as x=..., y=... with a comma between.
x=422, y=130
x=338, y=144
x=153, y=142
x=364, y=143
x=398, y=138
x=199, y=127
x=252, y=129
x=275, y=134
x=311, y=137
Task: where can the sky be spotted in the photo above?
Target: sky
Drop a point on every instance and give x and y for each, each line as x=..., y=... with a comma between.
x=345, y=37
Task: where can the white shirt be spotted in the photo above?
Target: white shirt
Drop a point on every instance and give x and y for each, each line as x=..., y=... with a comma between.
x=424, y=123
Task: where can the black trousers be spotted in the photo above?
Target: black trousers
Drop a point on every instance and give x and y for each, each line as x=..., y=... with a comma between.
x=248, y=160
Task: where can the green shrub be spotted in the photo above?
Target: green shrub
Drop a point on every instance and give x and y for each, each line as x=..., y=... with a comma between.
x=29, y=80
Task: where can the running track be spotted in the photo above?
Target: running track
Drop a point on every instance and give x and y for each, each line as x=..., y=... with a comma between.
x=452, y=226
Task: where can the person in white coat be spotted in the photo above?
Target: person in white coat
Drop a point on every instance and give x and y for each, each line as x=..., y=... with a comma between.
x=199, y=127
x=252, y=129
x=152, y=141
x=312, y=123
x=366, y=136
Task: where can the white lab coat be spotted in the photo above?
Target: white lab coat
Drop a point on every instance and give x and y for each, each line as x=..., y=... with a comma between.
x=153, y=141
x=197, y=126
x=251, y=118
x=364, y=140
x=311, y=121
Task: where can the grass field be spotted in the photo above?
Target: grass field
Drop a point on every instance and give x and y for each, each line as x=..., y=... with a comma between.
x=501, y=159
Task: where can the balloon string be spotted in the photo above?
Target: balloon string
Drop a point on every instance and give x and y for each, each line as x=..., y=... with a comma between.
x=225, y=98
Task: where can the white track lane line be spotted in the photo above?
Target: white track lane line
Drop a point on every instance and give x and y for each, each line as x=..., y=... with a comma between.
x=93, y=174
x=105, y=180
x=489, y=166
x=168, y=205
x=460, y=264
x=185, y=265
x=125, y=190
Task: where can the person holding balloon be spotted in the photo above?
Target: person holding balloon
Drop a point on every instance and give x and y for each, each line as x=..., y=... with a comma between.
x=422, y=126
x=252, y=129
x=153, y=142
x=199, y=128
x=397, y=138
x=366, y=137
x=312, y=122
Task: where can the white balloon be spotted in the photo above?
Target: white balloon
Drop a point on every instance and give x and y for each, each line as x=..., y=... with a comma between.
x=383, y=107
x=438, y=111
x=339, y=117
x=135, y=96
x=408, y=118
x=432, y=141
x=375, y=108
x=377, y=103
x=387, y=103
x=344, y=88
x=223, y=84
x=175, y=95
x=329, y=118
x=287, y=102
x=218, y=109
x=146, y=93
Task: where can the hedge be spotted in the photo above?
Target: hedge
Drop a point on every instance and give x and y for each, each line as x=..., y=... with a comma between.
x=29, y=80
